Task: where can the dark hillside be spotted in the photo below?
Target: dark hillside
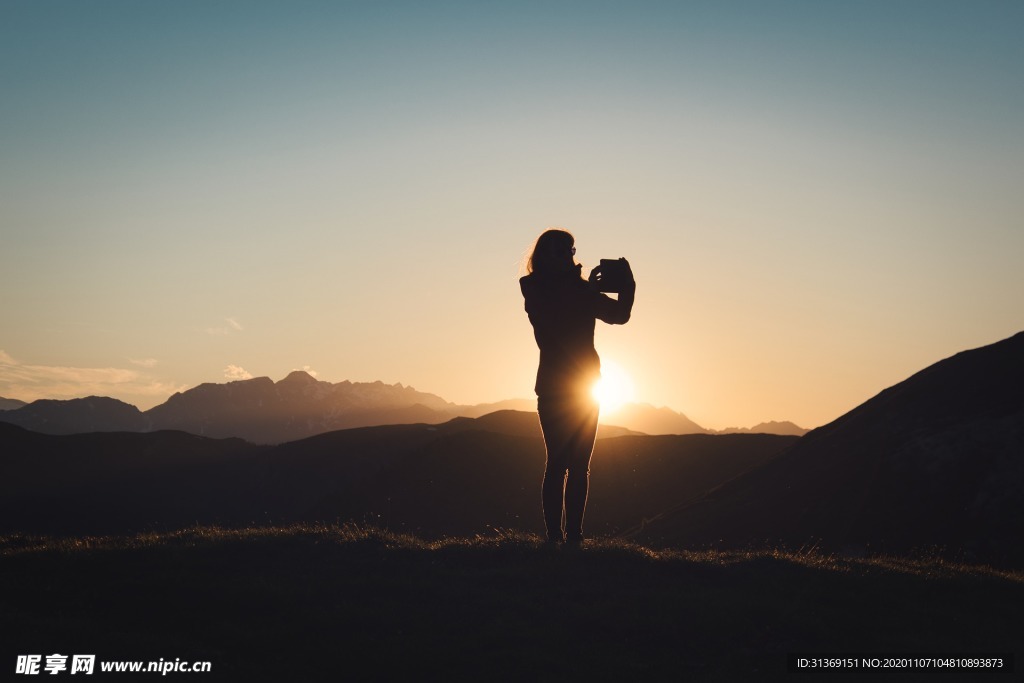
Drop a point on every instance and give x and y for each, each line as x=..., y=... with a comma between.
x=935, y=462
x=435, y=480
x=120, y=482
x=452, y=479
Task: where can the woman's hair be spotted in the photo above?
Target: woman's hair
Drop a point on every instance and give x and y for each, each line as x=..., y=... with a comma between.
x=548, y=250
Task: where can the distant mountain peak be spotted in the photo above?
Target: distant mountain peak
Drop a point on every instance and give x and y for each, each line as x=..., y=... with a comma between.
x=298, y=377
x=786, y=428
x=645, y=418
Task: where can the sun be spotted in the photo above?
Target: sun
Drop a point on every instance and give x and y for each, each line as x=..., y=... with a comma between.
x=614, y=389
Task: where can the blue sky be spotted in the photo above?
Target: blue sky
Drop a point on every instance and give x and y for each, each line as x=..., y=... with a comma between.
x=818, y=199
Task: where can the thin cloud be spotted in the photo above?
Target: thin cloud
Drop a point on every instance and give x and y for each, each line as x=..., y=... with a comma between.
x=236, y=372
x=28, y=382
x=144, y=362
x=230, y=325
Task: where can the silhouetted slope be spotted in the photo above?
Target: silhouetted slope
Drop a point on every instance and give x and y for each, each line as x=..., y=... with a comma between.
x=120, y=482
x=935, y=461
x=468, y=476
x=462, y=477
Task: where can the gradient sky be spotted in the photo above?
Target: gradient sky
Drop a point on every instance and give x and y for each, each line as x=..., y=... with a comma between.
x=818, y=198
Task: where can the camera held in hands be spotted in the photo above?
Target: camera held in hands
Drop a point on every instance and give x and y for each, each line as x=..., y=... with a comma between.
x=612, y=275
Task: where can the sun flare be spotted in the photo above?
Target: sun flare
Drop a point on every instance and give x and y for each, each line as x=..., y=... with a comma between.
x=614, y=389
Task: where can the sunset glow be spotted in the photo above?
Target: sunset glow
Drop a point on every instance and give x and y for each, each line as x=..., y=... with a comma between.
x=817, y=199
x=614, y=389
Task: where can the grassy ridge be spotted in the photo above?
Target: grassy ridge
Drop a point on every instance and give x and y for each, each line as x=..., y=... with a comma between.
x=317, y=602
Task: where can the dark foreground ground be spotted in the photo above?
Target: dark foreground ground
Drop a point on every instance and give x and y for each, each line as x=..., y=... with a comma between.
x=344, y=603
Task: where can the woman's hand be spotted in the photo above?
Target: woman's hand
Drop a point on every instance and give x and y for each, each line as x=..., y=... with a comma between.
x=597, y=275
x=629, y=272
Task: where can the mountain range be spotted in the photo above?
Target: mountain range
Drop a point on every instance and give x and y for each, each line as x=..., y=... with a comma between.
x=266, y=412
x=932, y=465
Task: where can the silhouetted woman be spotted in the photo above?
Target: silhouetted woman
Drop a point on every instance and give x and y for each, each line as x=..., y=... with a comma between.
x=563, y=307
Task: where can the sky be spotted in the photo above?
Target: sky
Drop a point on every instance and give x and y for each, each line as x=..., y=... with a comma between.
x=818, y=199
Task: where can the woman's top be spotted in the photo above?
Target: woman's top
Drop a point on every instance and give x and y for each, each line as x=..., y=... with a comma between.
x=562, y=308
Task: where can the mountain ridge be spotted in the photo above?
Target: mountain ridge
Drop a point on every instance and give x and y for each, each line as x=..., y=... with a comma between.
x=299, y=405
x=11, y=404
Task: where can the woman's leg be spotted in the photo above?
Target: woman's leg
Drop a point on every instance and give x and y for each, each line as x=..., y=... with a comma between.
x=556, y=442
x=569, y=424
x=552, y=493
x=578, y=481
